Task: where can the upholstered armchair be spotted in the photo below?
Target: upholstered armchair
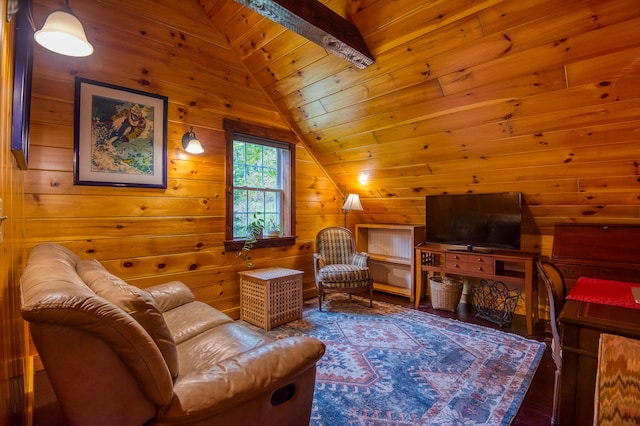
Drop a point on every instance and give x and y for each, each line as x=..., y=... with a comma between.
x=338, y=266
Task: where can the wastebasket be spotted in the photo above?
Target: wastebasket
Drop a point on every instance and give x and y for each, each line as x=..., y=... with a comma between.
x=445, y=292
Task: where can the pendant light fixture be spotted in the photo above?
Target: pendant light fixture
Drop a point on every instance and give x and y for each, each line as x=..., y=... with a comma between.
x=63, y=33
x=191, y=144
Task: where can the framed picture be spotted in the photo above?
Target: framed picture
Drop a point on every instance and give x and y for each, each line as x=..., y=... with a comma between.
x=120, y=136
x=23, y=68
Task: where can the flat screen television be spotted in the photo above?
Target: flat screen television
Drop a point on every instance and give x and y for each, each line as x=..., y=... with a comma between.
x=475, y=222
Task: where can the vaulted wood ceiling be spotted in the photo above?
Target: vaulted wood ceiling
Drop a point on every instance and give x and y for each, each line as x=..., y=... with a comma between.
x=538, y=96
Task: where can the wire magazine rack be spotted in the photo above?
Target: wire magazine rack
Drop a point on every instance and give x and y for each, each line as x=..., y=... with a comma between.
x=495, y=302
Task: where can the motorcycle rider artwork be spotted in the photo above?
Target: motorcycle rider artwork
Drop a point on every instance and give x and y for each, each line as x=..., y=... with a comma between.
x=128, y=127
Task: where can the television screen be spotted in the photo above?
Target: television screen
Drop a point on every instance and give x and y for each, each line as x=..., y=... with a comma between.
x=475, y=220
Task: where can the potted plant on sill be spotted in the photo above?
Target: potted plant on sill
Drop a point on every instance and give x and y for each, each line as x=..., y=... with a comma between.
x=273, y=228
x=255, y=230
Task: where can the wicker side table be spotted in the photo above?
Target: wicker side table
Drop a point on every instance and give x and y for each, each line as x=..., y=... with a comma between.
x=271, y=296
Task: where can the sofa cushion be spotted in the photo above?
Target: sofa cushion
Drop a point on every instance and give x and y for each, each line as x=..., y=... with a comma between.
x=136, y=302
x=216, y=344
x=192, y=319
x=343, y=273
x=171, y=295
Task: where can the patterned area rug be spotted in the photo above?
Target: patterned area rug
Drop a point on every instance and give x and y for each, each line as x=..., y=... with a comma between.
x=395, y=366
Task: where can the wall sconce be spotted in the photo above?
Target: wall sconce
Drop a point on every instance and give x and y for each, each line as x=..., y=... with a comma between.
x=191, y=144
x=63, y=33
x=352, y=203
x=363, y=178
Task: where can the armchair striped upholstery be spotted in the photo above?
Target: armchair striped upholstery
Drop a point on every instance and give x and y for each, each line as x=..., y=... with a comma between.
x=338, y=266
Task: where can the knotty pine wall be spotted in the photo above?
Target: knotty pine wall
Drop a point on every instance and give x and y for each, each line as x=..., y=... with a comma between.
x=537, y=96
x=150, y=236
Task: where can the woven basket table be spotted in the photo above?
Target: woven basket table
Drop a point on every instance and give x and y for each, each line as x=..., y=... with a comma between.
x=271, y=296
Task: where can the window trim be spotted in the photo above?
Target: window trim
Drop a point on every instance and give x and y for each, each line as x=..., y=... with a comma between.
x=233, y=128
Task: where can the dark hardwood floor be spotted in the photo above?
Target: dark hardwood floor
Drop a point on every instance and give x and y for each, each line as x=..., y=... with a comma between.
x=534, y=411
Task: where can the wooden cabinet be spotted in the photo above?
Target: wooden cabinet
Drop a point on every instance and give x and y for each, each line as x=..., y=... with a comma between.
x=582, y=323
x=508, y=266
x=609, y=252
x=391, y=255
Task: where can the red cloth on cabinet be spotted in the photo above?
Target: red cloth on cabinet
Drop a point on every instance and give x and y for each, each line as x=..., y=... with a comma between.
x=605, y=292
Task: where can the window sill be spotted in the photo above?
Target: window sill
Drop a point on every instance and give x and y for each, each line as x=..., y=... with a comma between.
x=236, y=245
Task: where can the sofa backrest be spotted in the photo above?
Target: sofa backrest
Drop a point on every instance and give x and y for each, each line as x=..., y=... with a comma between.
x=53, y=294
x=136, y=302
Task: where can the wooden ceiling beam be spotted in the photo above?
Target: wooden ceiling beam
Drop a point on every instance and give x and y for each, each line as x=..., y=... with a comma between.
x=319, y=24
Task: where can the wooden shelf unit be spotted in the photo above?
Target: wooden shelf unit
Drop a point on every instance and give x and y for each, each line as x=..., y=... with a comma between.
x=508, y=266
x=391, y=255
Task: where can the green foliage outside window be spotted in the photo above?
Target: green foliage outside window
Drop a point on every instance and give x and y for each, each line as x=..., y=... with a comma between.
x=257, y=185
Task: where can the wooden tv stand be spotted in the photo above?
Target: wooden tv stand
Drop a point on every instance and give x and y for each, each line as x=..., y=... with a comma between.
x=508, y=266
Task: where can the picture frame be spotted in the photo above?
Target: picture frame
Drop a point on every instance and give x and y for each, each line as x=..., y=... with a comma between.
x=120, y=136
x=23, y=70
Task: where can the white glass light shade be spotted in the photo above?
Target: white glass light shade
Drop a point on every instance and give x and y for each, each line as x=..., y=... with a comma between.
x=191, y=144
x=194, y=147
x=63, y=33
x=352, y=203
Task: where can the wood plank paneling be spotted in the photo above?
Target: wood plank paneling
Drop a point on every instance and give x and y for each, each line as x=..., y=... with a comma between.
x=536, y=96
x=154, y=235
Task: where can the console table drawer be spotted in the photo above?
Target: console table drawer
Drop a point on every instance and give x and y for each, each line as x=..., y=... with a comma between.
x=481, y=267
x=456, y=257
x=456, y=262
x=479, y=263
x=470, y=262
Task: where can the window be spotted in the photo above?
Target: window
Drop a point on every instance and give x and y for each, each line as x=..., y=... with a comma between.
x=260, y=184
x=257, y=184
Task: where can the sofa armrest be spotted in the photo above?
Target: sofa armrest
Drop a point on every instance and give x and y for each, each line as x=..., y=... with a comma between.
x=212, y=389
x=171, y=295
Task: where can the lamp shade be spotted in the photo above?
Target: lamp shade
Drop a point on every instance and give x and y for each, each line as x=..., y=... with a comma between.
x=63, y=33
x=352, y=203
x=191, y=144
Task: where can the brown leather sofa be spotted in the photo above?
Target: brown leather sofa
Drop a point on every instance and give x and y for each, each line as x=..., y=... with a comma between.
x=116, y=354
